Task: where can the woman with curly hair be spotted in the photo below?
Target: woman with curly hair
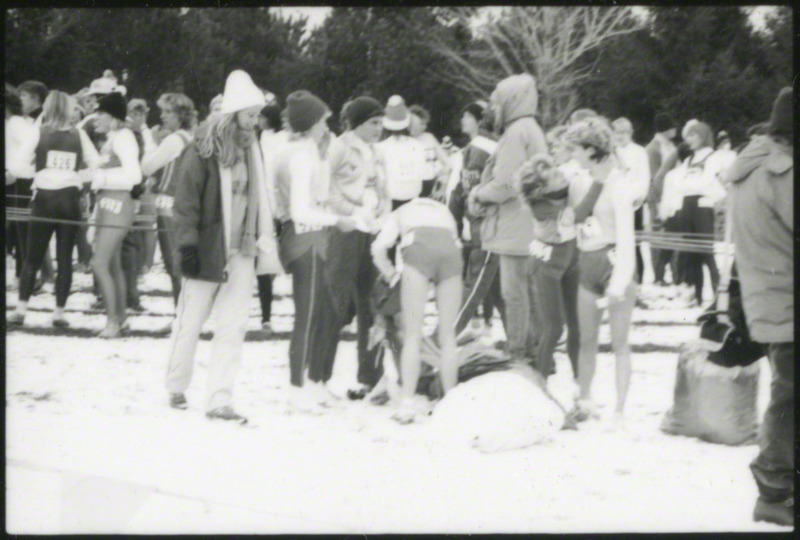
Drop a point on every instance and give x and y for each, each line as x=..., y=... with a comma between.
x=607, y=263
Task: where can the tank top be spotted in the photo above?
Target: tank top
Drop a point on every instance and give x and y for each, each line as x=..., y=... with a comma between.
x=58, y=156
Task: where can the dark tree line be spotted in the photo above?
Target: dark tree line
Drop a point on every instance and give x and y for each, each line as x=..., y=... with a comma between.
x=703, y=62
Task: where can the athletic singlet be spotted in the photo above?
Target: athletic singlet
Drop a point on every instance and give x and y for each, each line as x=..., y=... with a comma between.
x=58, y=157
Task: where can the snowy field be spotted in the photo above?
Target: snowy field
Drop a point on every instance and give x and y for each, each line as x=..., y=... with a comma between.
x=91, y=445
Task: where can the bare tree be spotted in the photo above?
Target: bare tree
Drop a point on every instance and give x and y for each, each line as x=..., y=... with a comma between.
x=551, y=43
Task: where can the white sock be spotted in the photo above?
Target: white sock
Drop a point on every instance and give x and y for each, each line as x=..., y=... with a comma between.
x=22, y=308
x=58, y=313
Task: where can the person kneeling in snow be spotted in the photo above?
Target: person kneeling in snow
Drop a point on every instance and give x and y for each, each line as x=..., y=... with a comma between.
x=431, y=252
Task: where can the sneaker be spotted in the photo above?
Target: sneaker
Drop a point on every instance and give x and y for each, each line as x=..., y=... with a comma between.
x=381, y=398
x=355, y=394
x=301, y=400
x=178, y=401
x=583, y=410
x=266, y=328
x=16, y=319
x=97, y=305
x=112, y=330
x=125, y=326
x=226, y=412
x=410, y=409
x=137, y=307
x=779, y=512
x=60, y=322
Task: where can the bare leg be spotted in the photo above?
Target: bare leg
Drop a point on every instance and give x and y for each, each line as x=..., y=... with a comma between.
x=589, y=317
x=619, y=318
x=108, y=243
x=448, y=300
x=413, y=297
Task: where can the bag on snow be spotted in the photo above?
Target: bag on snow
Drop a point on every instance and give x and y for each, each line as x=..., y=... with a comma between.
x=713, y=403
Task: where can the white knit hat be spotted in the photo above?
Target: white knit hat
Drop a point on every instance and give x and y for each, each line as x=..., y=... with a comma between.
x=241, y=93
x=103, y=86
x=397, y=117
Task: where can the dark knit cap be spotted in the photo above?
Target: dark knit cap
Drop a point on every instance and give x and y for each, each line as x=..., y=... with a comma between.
x=780, y=123
x=662, y=123
x=476, y=109
x=362, y=109
x=305, y=110
x=113, y=104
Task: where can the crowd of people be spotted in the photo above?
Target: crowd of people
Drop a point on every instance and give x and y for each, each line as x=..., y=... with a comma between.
x=538, y=226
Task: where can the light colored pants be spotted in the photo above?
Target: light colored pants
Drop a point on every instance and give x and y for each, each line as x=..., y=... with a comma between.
x=231, y=301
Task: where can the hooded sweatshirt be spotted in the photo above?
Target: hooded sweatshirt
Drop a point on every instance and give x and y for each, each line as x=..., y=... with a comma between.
x=508, y=227
x=762, y=201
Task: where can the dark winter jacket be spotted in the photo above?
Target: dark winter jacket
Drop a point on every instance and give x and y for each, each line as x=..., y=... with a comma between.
x=762, y=198
x=476, y=154
x=200, y=220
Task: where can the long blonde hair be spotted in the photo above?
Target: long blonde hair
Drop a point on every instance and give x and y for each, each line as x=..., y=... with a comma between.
x=221, y=136
x=57, y=110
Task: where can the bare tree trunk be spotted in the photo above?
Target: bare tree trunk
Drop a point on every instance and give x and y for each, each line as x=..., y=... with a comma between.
x=551, y=43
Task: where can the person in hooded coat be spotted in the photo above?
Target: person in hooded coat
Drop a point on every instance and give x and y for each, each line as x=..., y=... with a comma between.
x=762, y=201
x=508, y=227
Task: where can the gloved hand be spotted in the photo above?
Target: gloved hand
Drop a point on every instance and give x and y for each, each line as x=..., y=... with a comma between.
x=190, y=261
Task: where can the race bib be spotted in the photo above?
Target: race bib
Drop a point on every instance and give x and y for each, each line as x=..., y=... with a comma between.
x=64, y=161
x=165, y=202
x=590, y=228
x=110, y=205
x=541, y=250
x=300, y=228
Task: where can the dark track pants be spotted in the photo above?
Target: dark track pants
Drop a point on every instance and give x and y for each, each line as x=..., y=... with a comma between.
x=774, y=467
x=53, y=204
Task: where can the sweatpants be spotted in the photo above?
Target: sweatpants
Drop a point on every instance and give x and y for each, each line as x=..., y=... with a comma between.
x=314, y=320
x=166, y=243
x=265, y=296
x=696, y=219
x=774, y=467
x=129, y=259
x=481, y=286
x=231, y=302
x=350, y=275
x=518, y=285
x=664, y=257
x=638, y=226
x=19, y=197
x=557, y=282
x=53, y=204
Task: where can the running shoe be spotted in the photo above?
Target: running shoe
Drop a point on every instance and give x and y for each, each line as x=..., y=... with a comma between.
x=178, y=401
x=112, y=330
x=778, y=512
x=60, y=322
x=16, y=319
x=266, y=328
x=226, y=412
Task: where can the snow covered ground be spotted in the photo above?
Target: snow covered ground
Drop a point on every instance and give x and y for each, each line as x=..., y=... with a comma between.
x=91, y=445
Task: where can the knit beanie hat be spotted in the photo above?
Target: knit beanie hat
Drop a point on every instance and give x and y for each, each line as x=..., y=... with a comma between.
x=591, y=131
x=113, y=104
x=362, y=109
x=780, y=122
x=241, y=93
x=102, y=86
x=304, y=110
x=397, y=117
x=477, y=109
